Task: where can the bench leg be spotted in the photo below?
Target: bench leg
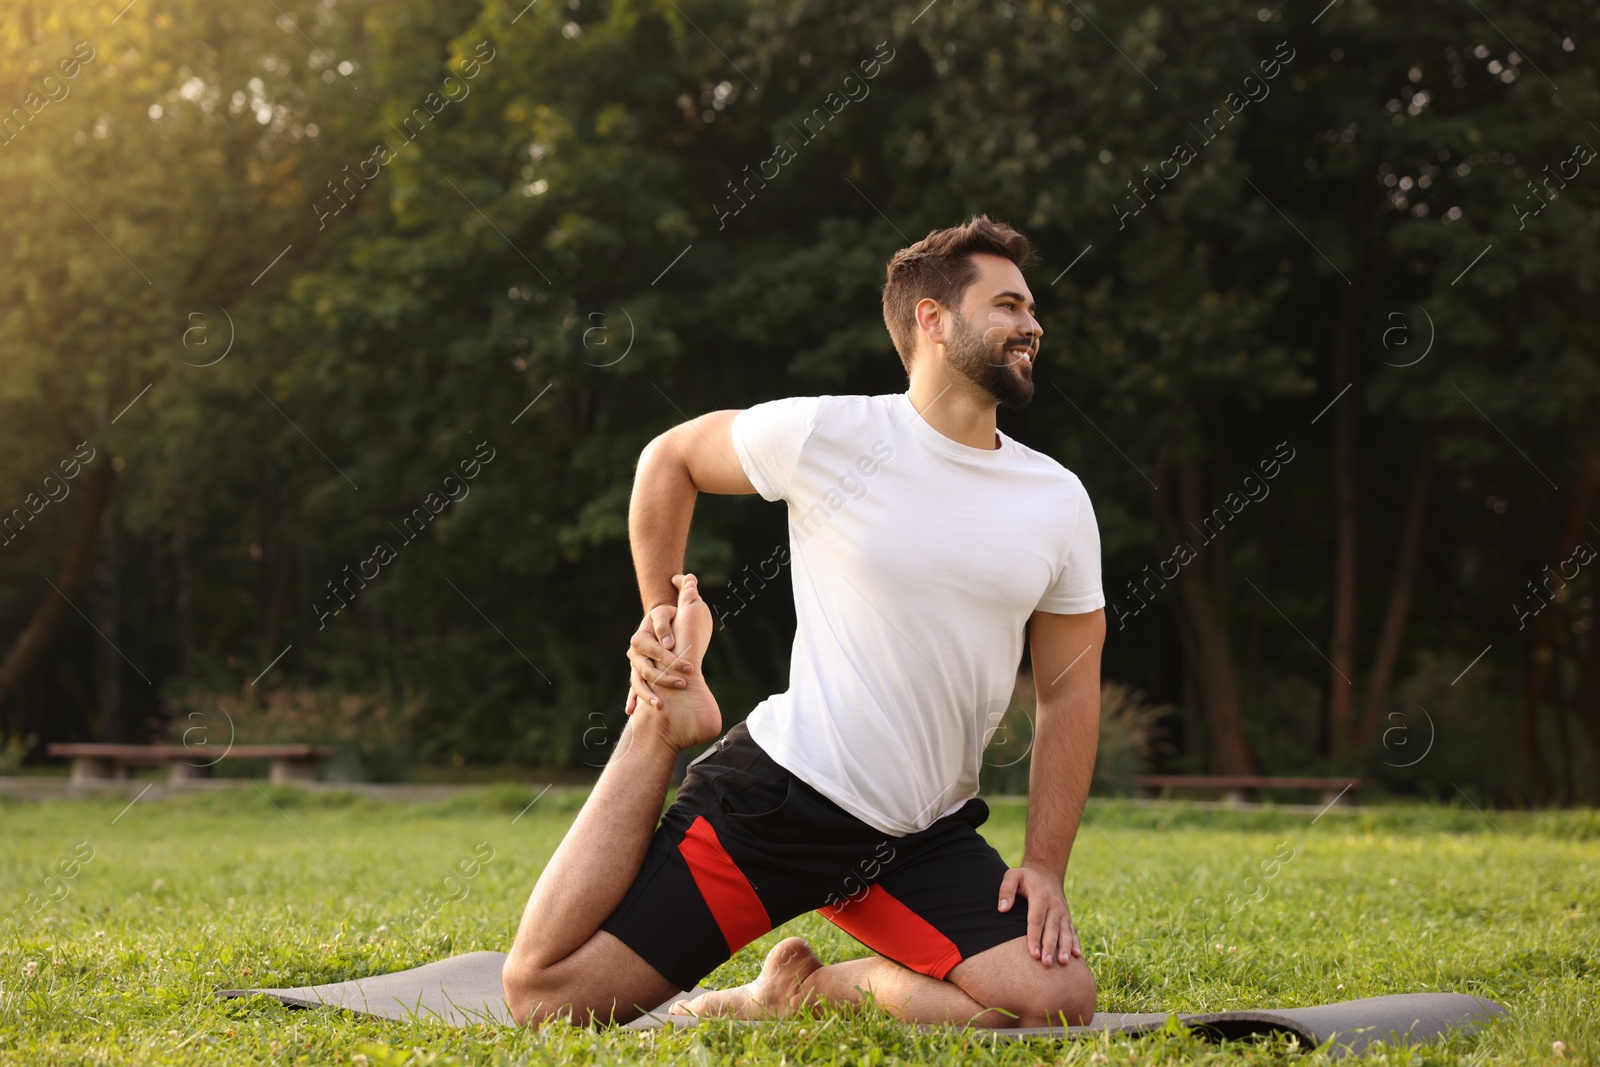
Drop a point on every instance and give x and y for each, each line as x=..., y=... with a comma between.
x=181, y=771
x=92, y=769
x=292, y=770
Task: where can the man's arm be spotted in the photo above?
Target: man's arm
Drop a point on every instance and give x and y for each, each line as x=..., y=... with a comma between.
x=691, y=458
x=1065, y=650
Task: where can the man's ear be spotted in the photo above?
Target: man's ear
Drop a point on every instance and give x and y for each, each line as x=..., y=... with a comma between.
x=932, y=319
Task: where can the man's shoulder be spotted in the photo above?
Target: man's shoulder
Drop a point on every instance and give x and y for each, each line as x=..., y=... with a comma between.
x=1047, y=466
x=839, y=411
x=863, y=401
x=832, y=402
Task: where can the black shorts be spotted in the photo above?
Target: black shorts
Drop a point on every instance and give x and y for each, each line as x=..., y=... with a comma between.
x=747, y=846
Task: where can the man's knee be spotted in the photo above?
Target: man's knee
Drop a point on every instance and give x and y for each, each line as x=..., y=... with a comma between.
x=1018, y=990
x=1065, y=998
x=575, y=990
x=1055, y=996
x=521, y=986
x=535, y=994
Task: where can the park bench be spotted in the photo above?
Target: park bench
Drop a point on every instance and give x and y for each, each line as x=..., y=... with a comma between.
x=1237, y=788
x=94, y=761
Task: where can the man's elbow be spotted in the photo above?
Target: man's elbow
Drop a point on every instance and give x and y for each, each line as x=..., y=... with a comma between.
x=1064, y=702
x=662, y=453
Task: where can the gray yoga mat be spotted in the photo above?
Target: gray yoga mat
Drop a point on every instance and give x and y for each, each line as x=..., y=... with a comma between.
x=465, y=989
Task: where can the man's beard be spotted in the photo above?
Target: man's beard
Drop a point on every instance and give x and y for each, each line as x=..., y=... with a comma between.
x=973, y=358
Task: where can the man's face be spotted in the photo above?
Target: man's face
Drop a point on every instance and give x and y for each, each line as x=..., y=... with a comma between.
x=995, y=337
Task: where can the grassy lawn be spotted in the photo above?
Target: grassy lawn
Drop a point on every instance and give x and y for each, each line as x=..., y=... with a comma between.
x=1177, y=907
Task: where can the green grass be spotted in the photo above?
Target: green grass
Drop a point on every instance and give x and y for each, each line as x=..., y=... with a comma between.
x=202, y=892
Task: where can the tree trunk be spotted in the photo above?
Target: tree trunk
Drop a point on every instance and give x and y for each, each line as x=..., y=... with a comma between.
x=268, y=572
x=1258, y=608
x=1202, y=618
x=1403, y=587
x=1587, y=708
x=34, y=640
x=280, y=601
x=184, y=605
x=1355, y=305
x=1564, y=750
x=1529, y=761
x=1346, y=546
x=105, y=608
x=302, y=616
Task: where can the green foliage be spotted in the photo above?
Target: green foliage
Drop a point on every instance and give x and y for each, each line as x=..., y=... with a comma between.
x=13, y=751
x=546, y=268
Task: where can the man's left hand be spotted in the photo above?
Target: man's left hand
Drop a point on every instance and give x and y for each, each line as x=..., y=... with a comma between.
x=1051, y=937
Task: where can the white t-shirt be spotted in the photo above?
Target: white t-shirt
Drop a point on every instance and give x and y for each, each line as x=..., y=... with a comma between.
x=916, y=562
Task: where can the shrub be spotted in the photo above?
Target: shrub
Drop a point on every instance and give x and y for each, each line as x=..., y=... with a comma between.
x=377, y=740
x=14, y=751
x=1129, y=738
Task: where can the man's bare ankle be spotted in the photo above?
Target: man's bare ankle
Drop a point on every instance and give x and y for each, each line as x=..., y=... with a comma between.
x=648, y=736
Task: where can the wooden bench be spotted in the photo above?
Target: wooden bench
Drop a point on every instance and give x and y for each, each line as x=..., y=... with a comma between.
x=97, y=762
x=1237, y=788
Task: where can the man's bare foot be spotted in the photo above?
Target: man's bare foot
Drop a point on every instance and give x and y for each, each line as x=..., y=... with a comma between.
x=780, y=990
x=690, y=715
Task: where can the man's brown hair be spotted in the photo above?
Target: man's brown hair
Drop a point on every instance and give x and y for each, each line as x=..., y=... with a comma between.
x=940, y=266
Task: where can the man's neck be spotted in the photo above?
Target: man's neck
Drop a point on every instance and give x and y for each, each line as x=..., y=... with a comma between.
x=953, y=407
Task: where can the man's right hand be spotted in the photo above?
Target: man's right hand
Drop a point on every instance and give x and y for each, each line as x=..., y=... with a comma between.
x=651, y=659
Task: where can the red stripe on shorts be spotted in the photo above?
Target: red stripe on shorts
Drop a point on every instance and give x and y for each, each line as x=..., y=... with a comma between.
x=891, y=929
x=733, y=902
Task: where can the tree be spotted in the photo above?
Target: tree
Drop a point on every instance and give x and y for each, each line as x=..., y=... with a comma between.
x=109, y=279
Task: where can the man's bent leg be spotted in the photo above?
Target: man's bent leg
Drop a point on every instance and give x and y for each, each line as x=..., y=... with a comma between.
x=792, y=977
x=559, y=958
x=558, y=949
x=1001, y=987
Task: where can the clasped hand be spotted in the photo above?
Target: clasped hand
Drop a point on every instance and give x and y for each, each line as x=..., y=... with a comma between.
x=650, y=656
x=1051, y=936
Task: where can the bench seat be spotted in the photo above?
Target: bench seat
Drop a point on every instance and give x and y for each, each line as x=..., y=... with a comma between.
x=95, y=761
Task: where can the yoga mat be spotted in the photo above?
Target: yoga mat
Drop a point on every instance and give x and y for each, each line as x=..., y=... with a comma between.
x=466, y=989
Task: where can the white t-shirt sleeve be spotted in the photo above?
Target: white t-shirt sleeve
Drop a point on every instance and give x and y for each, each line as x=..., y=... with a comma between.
x=768, y=438
x=1077, y=586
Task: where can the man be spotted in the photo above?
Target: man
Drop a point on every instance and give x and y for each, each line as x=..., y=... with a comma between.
x=924, y=543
